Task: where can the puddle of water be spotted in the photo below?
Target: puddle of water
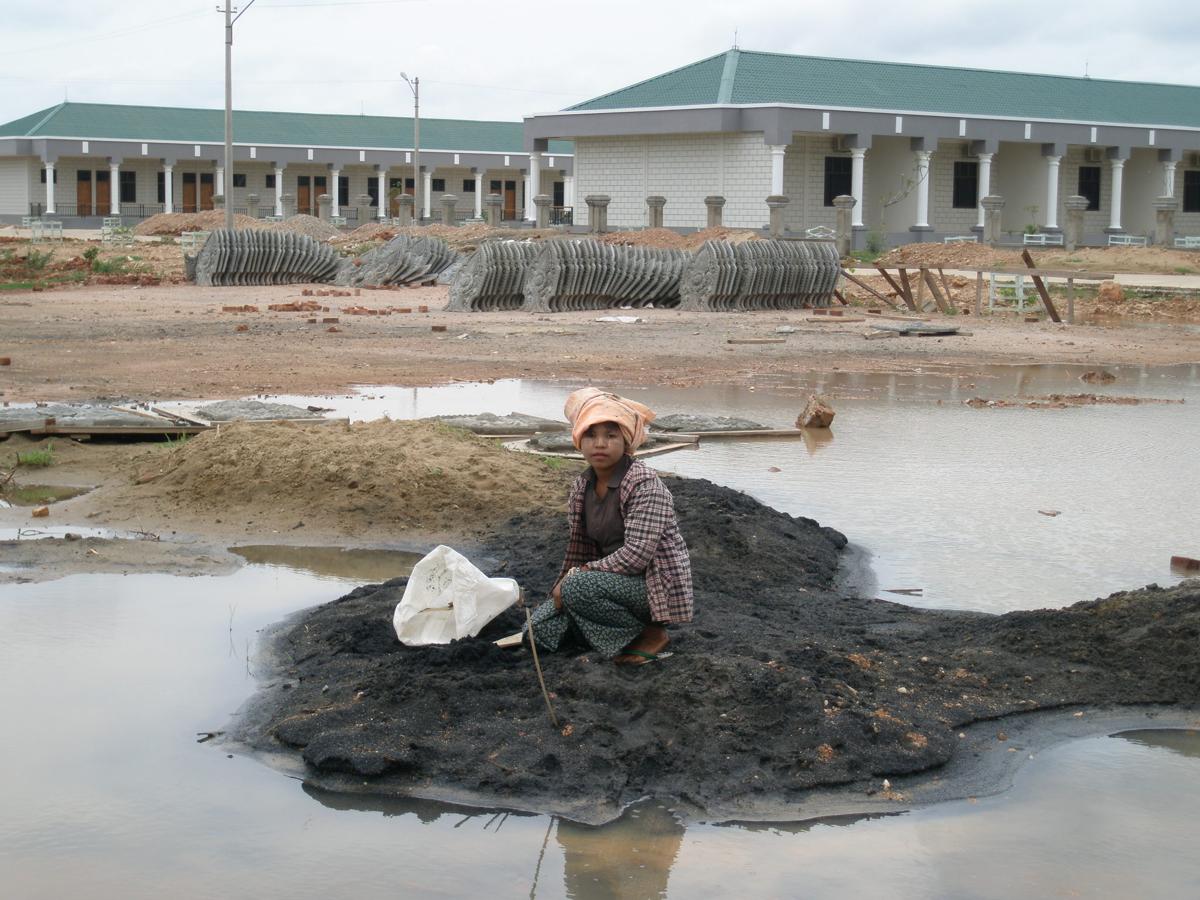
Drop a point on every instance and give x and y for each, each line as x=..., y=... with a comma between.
x=945, y=498
x=106, y=680
x=38, y=494
x=359, y=564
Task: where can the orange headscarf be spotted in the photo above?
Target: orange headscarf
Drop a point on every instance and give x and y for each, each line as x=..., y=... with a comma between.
x=591, y=406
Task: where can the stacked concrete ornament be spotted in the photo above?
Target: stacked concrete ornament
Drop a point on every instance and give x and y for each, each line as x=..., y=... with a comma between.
x=233, y=257
x=574, y=275
x=760, y=275
x=493, y=278
x=405, y=259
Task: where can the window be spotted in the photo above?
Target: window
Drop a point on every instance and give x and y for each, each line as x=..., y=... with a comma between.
x=1191, y=191
x=162, y=187
x=373, y=190
x=468, y=186
x=1089, y=185
x=837, y=177
x=559, y=194
x=437, y=185
x=343, y=189
x=128, y=187
x=44, y=176
x=966, y=185
x=408, y=184
x=271, y=180
x=83, y=175
x=395, y=183
x=239, y=179
x=494, y=186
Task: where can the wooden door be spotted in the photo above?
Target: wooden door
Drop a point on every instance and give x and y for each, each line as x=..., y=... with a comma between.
x=83, y=193
x=303, y=194
x=103, y=193
x=206, y=190
x=510, y=200
x=189, y=192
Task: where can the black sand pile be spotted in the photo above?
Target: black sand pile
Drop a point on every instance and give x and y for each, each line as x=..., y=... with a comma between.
x=778, y=687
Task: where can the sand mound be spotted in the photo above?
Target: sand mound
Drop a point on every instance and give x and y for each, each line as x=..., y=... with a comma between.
x=306, y=224
x=177, y=223
x=413, y=476
x=666, y=239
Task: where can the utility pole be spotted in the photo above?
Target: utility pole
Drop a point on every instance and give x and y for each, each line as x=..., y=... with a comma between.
x=415, y=86
x=227, y=181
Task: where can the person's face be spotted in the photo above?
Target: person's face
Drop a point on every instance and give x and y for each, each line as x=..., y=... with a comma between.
x=603, y=445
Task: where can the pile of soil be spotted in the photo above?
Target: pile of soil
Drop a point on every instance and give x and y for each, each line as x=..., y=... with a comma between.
x=1095, y=259
x=178, y=223
x=383, y=476
x=306, y=224
x=778, y=687
x=666, y=239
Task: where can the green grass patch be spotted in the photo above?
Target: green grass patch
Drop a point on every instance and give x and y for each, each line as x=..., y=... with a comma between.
x=39, y=458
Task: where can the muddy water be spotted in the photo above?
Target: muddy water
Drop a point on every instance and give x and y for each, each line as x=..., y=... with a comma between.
x=106, y=681
x=37, y=494
x=357, y=564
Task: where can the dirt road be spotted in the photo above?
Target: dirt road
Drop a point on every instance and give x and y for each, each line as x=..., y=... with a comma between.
x=174, y=341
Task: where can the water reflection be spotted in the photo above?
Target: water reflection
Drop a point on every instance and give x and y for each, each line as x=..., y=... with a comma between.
x=1183, y=742
x=357, y=564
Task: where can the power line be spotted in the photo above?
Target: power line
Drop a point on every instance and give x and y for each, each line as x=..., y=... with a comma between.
x=92, y=38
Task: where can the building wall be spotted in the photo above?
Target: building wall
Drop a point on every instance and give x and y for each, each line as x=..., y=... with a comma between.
x=684, y=169
x=942, y=214
x=1185, y=223
x=1019, y=176
x=889, y=185
x=17, y=176
x=1143, y=185
x=1094, y=220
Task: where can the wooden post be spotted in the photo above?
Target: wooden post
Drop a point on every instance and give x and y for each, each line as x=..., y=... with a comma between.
x=979, y=293
x=939, y=301
x=866, y=287
x=908, y=294
x=1070, y=301
x=922, y=277
x=1041, y=288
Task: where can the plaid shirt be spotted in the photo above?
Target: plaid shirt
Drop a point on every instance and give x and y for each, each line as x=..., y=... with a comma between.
x=653, y=545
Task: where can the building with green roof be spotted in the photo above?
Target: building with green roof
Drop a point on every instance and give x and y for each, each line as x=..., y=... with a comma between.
x=87, y=160
x=916, y=146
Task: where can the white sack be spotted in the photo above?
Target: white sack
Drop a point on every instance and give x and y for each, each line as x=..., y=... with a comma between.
x=448, y=598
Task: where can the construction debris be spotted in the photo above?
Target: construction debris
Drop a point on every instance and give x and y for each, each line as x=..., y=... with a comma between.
x=817, y=414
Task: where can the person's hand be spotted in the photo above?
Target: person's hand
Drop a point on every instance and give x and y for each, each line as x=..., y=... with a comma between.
x=556, y=596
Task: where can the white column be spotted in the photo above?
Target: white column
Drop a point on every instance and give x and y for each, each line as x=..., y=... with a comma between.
x=50, y=188
x=923, y=157
x=777, y=152
x=1168, y=179
x=535, y=185
x=114, y=189
x=985, y=182
x=383, y=194
x=857, y=158
x=569, y=190
x=528, y=214
x=168, y=187
x=335, y=192
x=219, y=187
x=1118, y=184
x=279, y=190
x=479, y=194
x=1052, y=163
x=428, y=189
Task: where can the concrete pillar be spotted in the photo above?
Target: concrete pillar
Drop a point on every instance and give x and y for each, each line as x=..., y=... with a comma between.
x=50, y=188
x=1118, y=188
x=922, y=187
x=448, y=201
x=993, y=207
x=324, y=207
x=168, y=187
x=541, y=210
x=654, y=205
x=1052, y=164
x=479, y=193
x=427, y=178
x=984, y=187
x=569, y=191
x=279, y=190
x=534, y=185
x=844, y=204
x=382, y=212
x=1164, y=220
x=335, y=192
x=777, y=153
x=405, y=204
x=776, y=204
x=252, y=201
x=597, y=212
x=365, y=210
x=288, y=203
x=1073, y=236
x=494, y=203
x=1168, y=178
x=858, y=156
x=714, y=203
x=114, y=189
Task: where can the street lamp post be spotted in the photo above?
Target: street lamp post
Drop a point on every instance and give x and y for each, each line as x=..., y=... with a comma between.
x=227, y=175
x=415, y=86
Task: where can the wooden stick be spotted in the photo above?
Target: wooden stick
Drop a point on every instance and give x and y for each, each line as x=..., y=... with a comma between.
x=1041, y=288
x=978, y=293
x=841, y=299
x=1070, y=301
x=537, y=665
x=895, y=286
x=908, y=295
x=945, y=283
x=942, y=303
x=866, y=287
x=922, y=277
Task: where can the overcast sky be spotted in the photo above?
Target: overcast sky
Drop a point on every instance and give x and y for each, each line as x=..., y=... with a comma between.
x=502, y=61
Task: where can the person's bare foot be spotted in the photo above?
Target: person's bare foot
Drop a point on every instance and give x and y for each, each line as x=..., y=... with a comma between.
x=653, y=640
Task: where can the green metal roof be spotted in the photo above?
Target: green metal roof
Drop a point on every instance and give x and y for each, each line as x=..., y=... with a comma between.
x=752, y=77
x=99, y=121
